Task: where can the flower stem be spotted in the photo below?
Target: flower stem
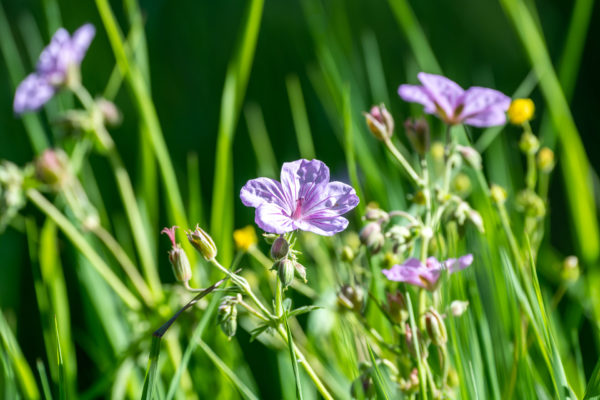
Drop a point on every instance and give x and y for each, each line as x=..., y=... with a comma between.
x=405, y=164
x=84, y=247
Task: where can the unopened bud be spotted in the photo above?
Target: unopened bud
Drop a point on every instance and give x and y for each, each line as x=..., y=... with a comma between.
x=351, y=297
x=436, y=330
x=52, y=167
x=380, y=122
x=531, y=203
x=270, y=237
x=202, y=242
x=417, y=132
x=372, y=237
x=545, y=160
x=470, y=155
x=462, y=184
x=180, y=264
x=285, y=271
x=109, y=111
x=279, y=248
x=396, y=307
x=300, y=270
x=458, y=307
x=570, y=269
x=347, y=254
x=376, y=214
x=438, y=151
x=228, y=316
x=498, y=194
x=529, y=143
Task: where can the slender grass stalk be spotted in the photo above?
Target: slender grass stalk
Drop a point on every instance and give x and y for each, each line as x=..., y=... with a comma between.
x=84, y=247
x=300, y=117
x=236, y=80
x=259, y=137
x=293, y=358
x=44, y=379
x=349, y=152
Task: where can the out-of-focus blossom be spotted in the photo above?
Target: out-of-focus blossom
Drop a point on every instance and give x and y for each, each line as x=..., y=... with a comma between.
x=245, y=238
x=58, y=63
x=304, y=199
x=426, y=275
x=521, y=111
x=476, y=106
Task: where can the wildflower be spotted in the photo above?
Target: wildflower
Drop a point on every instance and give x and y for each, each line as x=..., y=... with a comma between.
x=426, y=275
x=520, y=111
x=304, y=199
x=57, y=66
x=380, y=122
x=245, y=238
x=178, y=258
x=476, y=106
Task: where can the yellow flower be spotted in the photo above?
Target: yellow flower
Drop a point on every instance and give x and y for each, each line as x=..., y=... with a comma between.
x=520, y=111
x=245, y=238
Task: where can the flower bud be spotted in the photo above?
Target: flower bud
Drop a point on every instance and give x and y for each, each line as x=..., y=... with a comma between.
x=498, y=194
x=462, y=184
x=270, y=237
x=380, y=122
x=372, y=237
x=109, y=111
x=530, y=203
x=279, y=248
x=351, y=297
x=376, y=214
x=180, y=264
x=52, y=167
x=420, y=198
x=300, y=270
x=417, y=132
x=529, y=143
x=570, y=269
x=285, y=271
x=347, y=254
x=434, y=325
x=458, y=307
x=476, y=220
x=438, y=151
x=470, y=155
x=202, y=242
x=545, y=160
x=520, y=111
x=396, y=307
x=228, y=316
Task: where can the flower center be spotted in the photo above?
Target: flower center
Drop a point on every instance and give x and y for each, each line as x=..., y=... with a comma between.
x=297, y=214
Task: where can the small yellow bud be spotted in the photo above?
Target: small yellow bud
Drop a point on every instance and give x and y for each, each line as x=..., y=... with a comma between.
x=245, y=238
x=498, y=194
x=521, y=111
x=438, y=151
x=545, y=159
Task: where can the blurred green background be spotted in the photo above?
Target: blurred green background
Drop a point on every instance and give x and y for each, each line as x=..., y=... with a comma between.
x=190, y=44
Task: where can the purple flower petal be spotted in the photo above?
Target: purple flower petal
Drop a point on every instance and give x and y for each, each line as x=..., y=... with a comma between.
x=337, y=197
x=263, y=190
x=272, y=218
x=418, y=276
x=302, y=180
x=463, y=262
x=326, y=223
x=81, y=40
x=417, y=94
x=32, y=93
x=445, y=93
x=484, y=107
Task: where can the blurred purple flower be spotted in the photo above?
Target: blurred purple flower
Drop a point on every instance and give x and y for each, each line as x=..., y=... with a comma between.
x=426, y=275
x=476, y=106
x=305, y=200
x=52, y=71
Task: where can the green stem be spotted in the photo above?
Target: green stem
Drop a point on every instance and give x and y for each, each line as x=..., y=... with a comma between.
x=531, y=176
x=279, y=299
x=84, y=247
x=405, y=164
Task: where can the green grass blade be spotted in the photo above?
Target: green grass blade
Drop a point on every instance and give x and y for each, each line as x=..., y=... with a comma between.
x=592, y=391
x=290, y=342
x=152, y=369
x=416, y=37
x=43, y=379
x=382, y=391
x=574, y=162
x=261, y=144
x=375, y=73
x=62, y=381
x=236, y=80
x=195, y=204
x=349, y=151
x=22, y=372
x=300, y=118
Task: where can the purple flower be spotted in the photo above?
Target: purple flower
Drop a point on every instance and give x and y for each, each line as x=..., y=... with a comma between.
x=426, y=275
x=64, y=53
x=475, y=106
x=305, y=200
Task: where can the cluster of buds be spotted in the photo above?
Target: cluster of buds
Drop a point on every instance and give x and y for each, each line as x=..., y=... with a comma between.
x=286, y=263
x=531, y=204
x=351, y=298
x=52, y=168
x=464, y=213
x=410, y=384
x=379, y=229
x=228, y=315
